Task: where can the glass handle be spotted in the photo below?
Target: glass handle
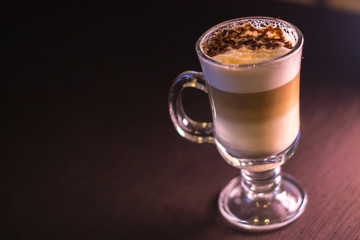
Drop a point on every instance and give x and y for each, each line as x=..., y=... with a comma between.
x=199, y=132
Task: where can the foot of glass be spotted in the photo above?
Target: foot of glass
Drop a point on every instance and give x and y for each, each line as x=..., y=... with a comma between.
x=254, y=204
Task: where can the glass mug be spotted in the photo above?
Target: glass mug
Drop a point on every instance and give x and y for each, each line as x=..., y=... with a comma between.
x=256, y=127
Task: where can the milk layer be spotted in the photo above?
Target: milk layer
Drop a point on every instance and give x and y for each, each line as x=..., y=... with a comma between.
x=258, y=138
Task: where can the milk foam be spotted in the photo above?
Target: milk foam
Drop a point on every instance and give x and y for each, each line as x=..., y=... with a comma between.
x=249, y=56
x=252, y=77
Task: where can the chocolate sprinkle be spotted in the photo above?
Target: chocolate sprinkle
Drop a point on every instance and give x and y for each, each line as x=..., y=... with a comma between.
x=235, y=38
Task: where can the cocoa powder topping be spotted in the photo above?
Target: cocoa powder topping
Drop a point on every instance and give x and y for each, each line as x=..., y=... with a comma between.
x=246, y=36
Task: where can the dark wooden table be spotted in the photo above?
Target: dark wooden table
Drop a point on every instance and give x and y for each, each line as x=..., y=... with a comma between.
x=89, y=151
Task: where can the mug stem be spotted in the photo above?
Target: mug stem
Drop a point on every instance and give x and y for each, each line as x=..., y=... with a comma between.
x=261, y=182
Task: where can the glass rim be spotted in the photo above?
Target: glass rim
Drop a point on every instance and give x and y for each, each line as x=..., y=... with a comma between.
x=298, y=45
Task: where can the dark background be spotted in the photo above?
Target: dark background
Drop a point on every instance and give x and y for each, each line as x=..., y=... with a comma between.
x=89, y=151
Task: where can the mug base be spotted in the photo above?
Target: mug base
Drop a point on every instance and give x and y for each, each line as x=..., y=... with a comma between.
x=259, y=212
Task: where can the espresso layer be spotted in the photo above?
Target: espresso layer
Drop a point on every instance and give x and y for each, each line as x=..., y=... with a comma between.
x=256, y=107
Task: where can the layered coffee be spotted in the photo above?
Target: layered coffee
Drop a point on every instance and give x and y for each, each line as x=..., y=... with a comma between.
x=254, y=91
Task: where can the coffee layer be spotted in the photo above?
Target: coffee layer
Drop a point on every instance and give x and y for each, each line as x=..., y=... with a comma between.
x=256, y=107
x=257, y=124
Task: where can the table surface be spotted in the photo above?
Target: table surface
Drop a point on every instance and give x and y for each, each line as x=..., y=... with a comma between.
x=89, y=148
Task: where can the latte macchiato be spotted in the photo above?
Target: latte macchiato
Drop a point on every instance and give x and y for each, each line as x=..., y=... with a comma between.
x=255, y=101
x=251, y=73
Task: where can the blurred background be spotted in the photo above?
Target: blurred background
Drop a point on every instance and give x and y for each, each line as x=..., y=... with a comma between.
x=89, y=150
x=352, y=6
